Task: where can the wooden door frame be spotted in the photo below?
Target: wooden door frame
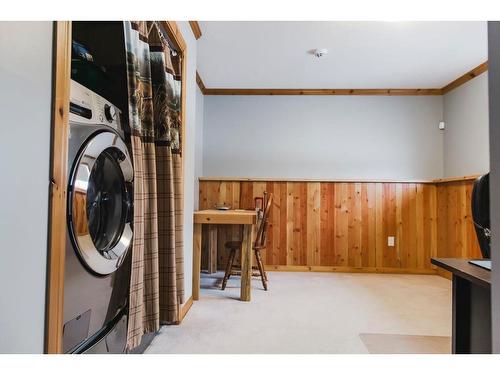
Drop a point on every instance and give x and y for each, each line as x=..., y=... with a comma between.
x=54, y=305
x=61, y=74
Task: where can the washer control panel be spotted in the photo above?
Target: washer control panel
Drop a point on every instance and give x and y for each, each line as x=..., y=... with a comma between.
x=85, y=106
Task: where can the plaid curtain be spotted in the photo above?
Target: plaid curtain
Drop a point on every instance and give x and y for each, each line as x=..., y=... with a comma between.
x=157, y=278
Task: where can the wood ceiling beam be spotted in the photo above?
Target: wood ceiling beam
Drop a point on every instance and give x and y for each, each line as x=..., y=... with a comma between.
x=195, y=26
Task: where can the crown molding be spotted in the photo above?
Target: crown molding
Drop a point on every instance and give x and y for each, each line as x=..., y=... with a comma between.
x=200, y=83
x=384, y=92
x=195, y=26
x=478, y=70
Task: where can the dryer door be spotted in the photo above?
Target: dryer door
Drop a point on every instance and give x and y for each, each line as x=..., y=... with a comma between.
x=100, y=203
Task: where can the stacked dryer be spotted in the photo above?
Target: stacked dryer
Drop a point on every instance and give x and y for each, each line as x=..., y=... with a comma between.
x=99, y=235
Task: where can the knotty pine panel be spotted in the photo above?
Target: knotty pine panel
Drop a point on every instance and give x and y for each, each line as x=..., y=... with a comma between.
x=338, y=225
x=456, y=236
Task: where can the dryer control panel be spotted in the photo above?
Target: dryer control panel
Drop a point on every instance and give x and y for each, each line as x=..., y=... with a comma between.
x=89, y=108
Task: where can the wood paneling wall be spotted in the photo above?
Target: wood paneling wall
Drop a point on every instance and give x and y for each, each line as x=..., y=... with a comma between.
x=337, y=226
x=343, y=226
x=456, y=235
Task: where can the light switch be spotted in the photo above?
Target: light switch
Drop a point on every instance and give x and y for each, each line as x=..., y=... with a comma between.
x=390, y=241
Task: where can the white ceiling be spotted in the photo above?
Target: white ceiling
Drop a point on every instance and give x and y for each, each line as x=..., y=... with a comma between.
x=361, y=54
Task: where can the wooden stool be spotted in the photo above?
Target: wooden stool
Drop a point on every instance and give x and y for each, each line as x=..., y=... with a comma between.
x=258, y=246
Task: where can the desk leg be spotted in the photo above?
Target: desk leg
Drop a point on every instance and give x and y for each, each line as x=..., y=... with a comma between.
x=471, y=318
x=212, y=248
x=461, y=316
x=246, y=262
x=196, y=261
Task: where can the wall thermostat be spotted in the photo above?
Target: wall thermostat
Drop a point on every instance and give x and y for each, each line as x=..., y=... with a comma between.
x=441, y=125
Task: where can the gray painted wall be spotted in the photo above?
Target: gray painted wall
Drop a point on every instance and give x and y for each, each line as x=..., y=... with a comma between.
x=494, y=91
x=466, y=137
x=323, y=137
x=25, y=97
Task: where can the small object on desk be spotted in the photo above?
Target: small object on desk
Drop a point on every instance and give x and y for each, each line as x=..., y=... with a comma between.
x=222, y=207
x=486, y=264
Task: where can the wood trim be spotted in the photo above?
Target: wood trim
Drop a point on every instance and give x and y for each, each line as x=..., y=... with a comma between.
x=478, y=70
x=59, y=156
x=455, y=179
x=195, y=26
x=272, y=179
x=185, y=309
x=175, y=35
x=264, y=179
x=271, y=91
x=200, y=83
x=415, y=271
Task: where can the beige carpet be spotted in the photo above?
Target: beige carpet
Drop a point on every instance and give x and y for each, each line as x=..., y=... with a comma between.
x=406, y=344
x=313, y=313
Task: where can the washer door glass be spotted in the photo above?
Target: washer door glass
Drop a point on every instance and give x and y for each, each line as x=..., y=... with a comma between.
x=106, y=202
x=100, y=203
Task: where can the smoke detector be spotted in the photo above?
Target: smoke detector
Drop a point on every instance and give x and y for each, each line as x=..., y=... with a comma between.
x=320, y=53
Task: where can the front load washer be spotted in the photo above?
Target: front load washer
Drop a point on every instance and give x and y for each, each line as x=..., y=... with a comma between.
x=99, y=230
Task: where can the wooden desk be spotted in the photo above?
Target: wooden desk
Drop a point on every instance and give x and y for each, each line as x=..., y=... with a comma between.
x=471, y=331
x=230, y=217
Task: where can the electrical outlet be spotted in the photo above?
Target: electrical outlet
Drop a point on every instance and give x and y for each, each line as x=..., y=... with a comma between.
x=390, y=241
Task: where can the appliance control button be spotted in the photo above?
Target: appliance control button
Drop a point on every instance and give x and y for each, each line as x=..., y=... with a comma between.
x=109, y=112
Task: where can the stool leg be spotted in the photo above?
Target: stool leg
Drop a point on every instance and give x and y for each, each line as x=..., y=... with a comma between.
x=229, y=268
x=263, y=275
